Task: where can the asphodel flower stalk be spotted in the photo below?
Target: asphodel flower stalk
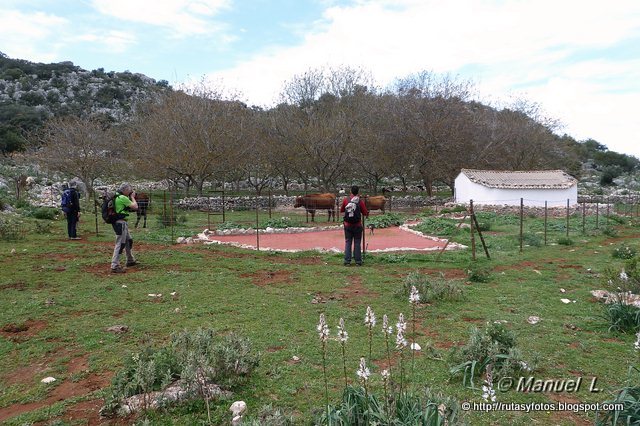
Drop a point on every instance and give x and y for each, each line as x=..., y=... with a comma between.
x=370, y=322
x=387, y=330
x=343, y=336
x=323, y=333
x=414, y=299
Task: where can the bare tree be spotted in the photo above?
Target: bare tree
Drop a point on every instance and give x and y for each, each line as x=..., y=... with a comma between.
x=78, y=147
x=195, y=136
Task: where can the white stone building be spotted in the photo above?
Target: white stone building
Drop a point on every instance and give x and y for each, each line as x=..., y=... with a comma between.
x=508, y=187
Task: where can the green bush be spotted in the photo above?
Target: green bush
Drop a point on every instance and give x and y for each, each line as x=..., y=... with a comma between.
x=385, y=220
x=432, y=288
x=565, y=241
x=532, y=240
x=282, y=222
x=229, y=225
x=11, y=230
x=620, y=220
x=629, y=396
x=479, y=272
x=42, y=227
x=609, y=231
x=45, y=213
x=437, y=226
x=365, y=408
x=624, y=252
x=621, y=313
x=494, y=345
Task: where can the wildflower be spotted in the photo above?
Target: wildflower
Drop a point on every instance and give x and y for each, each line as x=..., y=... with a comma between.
x=401, y=324
x=636, y=345
x=488, y=393
x=624, y=276
x=370, y=317
x=386, y=328
x=401, y=342
x=416, y=347
x=414, y=297
x=343, y=336
x=323, y=329
x=525, y=366
x=363, y=372
x=385, y=374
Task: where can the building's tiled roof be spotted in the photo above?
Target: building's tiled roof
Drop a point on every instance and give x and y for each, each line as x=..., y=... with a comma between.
x=550, y=179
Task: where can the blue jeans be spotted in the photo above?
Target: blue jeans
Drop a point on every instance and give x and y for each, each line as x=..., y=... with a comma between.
x=352, y=235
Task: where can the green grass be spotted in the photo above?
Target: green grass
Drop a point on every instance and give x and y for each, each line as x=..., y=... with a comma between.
x=220, y=288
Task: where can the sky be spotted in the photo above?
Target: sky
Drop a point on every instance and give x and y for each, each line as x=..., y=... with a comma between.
x=578, y=59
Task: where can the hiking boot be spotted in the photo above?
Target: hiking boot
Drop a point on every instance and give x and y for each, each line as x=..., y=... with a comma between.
x=347, y=263
x=134, y=263
x=75, y=238
x=359, y=264
x=118, y=270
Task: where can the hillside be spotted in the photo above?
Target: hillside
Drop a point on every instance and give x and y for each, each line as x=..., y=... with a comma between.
x=32, y=92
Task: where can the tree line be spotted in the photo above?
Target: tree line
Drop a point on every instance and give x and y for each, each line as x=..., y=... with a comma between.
x=330, y=126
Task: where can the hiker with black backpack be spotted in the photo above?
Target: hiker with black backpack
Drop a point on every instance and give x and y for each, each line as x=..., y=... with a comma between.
x=353, y=208
x=71, y=208
x=117, y=212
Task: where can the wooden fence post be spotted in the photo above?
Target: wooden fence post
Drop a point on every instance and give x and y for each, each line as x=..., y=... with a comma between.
x=473, y=239
x=521, y=222
x=584, y=204
x=545, y=223
x=567, y=218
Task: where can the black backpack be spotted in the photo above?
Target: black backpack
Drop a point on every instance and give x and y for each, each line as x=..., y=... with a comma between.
x=109, y=214
x=352, y=212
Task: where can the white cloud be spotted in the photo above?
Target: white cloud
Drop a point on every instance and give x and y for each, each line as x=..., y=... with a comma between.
x=514, y=44
x=183, y=17
x=23, y=33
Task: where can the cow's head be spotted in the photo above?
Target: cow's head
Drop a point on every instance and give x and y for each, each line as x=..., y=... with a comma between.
x=299, y=202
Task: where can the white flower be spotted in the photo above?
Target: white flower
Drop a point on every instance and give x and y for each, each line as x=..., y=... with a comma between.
x=385, y=374
x=414, y=297
x=416, y=347
x=525, y=366
x=624, y=276
x=362, y=371
x=370, y=317
x=323, y=328
x=386, y=328
x=401, y=324
x=401, y=342
x=636, y=345
x=343, y=336
x=488, y=393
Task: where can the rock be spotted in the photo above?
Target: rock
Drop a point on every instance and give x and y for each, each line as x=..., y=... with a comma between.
x=238, y=409
x=416, y=347
x=48, y=380
x=565, y=301
x=533, y=320
x=118, y=329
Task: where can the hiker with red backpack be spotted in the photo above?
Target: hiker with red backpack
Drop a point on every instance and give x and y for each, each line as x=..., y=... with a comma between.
x=353, y=208
x=71, y=208
x=116, y=212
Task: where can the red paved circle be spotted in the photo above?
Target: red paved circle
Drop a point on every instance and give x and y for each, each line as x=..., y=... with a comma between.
x=381, y=240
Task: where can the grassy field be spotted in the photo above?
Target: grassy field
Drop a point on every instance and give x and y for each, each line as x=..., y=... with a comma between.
x=58, y=298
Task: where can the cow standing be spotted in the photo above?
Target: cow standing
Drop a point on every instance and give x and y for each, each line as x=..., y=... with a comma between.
x=375, y=202
x=143, y=204
x=313, y=202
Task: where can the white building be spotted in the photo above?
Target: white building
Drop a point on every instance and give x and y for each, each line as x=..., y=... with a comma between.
x=508, y=187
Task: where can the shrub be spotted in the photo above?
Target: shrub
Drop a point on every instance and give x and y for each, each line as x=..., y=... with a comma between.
x=624, y=252
x=484, y=226
x=479, y=272
x=609, y=231
x=620, y=220
x=385, y=220
x=431, y=288
x=359, y=408
x=42, y=227
x=437, y=226
x=269, y=416
x=630, y=397
x=495, y=345
x=11, y=230
x=621, y=313
x=229, y=225
x=532, y=240
x=45, y=213
x=393, y=258
x=283, y=222
x=565, y=241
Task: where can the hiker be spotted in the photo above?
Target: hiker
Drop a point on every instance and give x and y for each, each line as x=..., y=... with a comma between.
x=123, y=202
x=71, y=208
x=353, y=208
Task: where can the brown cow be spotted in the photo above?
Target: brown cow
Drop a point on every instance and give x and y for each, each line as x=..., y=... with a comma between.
x=143, y=205
x=375, y=202
x=313, y=202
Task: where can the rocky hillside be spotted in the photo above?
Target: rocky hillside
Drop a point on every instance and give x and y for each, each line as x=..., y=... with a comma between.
x=32, y=92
